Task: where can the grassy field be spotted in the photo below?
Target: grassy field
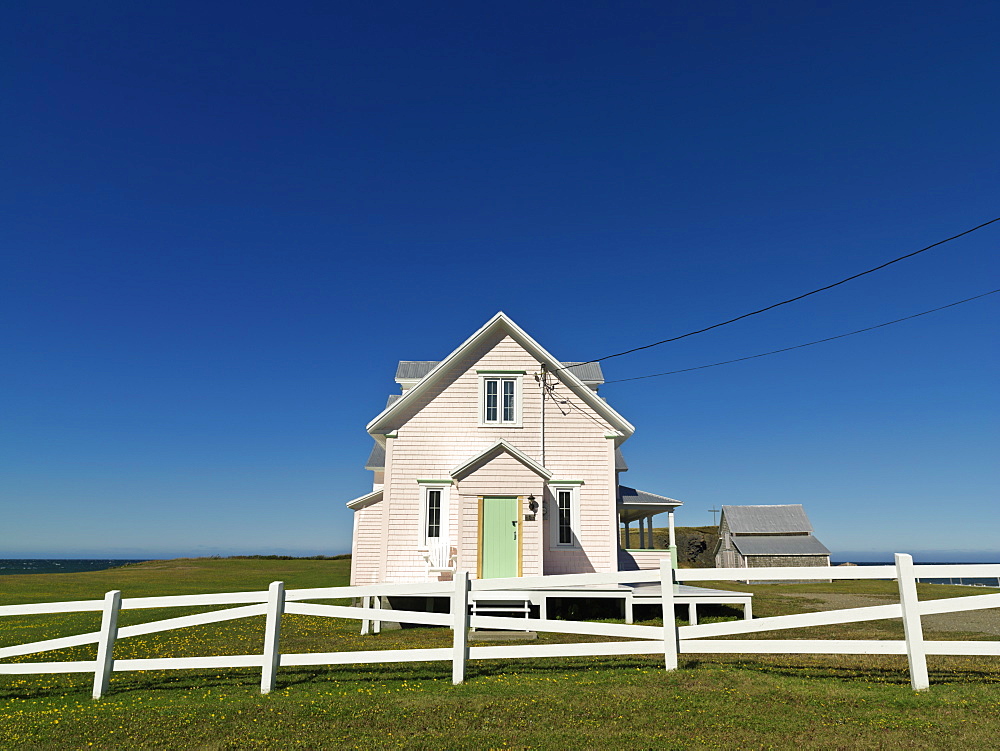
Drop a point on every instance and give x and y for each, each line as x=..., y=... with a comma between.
x=711, y=702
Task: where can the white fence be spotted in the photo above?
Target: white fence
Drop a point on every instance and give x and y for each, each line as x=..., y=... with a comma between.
x=668, y=640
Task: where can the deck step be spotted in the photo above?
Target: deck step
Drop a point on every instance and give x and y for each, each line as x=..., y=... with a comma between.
x=516, y=607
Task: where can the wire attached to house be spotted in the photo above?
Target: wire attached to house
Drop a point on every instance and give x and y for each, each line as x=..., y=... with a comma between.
x=791, y=299
x=807, y=344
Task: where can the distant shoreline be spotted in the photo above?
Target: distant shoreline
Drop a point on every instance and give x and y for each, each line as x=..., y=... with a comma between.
x=19, y=566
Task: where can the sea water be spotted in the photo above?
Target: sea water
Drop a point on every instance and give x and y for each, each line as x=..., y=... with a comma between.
x=61, y=565
x=969, y=581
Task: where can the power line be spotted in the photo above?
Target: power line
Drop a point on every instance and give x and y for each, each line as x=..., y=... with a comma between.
x=791, y=299
x=807, y=344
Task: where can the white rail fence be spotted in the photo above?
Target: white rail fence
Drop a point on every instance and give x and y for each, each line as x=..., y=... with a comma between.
x=668, y=640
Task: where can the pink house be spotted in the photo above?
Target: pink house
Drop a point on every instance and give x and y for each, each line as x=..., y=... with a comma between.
x=500, y=460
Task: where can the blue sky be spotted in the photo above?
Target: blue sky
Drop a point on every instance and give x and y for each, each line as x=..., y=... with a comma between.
x=222, y=226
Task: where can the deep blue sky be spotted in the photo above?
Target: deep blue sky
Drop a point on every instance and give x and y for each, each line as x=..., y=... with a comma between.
x=222, y=226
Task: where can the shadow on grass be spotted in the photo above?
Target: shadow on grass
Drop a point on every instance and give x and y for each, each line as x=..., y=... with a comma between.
x=854, y=669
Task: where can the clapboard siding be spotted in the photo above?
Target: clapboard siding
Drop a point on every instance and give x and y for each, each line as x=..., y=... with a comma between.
x=366, y=551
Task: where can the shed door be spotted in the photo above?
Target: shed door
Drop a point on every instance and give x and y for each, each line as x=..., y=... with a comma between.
x=500, y=532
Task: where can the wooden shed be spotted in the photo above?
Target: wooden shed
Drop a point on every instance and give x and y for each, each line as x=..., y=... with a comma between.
x=756, y=536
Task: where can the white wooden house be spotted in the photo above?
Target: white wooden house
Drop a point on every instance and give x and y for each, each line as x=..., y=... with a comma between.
x=499, y=460
x=755, y=536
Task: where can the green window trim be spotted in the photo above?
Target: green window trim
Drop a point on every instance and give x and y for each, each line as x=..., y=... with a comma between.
x=501, y=372
x=564, y=482
x=434, y=482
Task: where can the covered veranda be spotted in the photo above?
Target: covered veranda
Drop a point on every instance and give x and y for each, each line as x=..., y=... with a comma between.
x=639, y=507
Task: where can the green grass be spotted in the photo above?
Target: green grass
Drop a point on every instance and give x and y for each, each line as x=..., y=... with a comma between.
x=711, y=702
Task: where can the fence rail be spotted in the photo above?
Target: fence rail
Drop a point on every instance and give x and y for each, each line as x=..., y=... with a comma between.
x=668, y=640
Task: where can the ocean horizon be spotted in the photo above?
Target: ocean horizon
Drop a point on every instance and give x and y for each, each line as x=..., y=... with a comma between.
x=13, y=566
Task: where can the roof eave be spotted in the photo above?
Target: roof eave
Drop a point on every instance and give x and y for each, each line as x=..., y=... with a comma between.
x=362, y=501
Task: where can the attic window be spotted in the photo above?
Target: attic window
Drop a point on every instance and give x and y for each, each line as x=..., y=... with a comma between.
x=500, y=400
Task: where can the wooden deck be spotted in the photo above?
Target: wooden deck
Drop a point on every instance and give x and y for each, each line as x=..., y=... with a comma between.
x=630, y=595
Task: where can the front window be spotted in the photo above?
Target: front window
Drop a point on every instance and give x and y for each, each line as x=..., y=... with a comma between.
x=433, y=514
x=565, y=517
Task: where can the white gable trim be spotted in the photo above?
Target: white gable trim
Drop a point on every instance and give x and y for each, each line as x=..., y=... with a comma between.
x=502, y=445
x=384, y=422
x=366, y=499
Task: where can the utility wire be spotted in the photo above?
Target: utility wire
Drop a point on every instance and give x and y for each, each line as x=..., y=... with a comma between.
x=791, y=299
x=807, y=344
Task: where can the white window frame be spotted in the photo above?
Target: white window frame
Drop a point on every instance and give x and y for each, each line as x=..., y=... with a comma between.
x=574, y=517
x=425, y=491
x=517, y=378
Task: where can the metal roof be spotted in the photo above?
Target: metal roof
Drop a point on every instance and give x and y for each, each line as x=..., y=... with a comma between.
x=620, y=465
x=587, y=372
x=392, y=399
x=376, y=459
x=632, y=496
x=779, y=545
x=760, y=520
x=409, y=370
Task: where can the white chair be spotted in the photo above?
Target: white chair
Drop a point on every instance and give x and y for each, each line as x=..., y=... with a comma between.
x=440, y=557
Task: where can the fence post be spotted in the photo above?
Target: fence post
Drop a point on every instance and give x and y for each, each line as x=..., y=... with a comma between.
x=106, y=643
x=377, y=624
x=669, y=621
x=912, y=628
x=365, y=622
x=272, y=635
x=460, y=624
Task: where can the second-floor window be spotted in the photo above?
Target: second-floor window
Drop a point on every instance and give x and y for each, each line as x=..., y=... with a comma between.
x=500, y=393
x=501, y=400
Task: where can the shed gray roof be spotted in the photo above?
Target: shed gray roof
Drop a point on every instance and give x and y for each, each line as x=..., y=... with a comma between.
x=391, y=400
x=376, y=459
x=762, y=520
x=408, y=370
x=588, y=371
x=620, y=465
x=779, y=545
x=631, y=496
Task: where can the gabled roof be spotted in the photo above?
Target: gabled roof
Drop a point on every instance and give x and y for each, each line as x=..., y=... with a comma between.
x=497, y=448
x=763, y=520
x=499, y=324
x=779, y=545
x=362, y=501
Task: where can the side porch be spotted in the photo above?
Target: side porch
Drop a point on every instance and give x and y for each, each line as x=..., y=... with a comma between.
x=637, y=549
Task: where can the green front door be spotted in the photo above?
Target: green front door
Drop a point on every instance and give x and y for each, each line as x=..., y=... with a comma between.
x=500, y=530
